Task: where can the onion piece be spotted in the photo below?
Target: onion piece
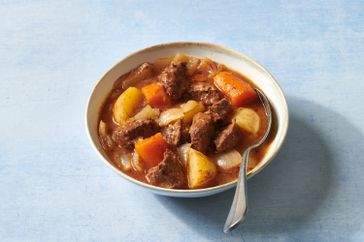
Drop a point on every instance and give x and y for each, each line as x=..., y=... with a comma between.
x=170, y=115
x=125, y=161
x=102, y=128
x=183, y=153
x=210, y=68
x=136, y=161
x=228, y=160
x=138, y=74
x=146, y=113
x=161, y=63
x=106, y=142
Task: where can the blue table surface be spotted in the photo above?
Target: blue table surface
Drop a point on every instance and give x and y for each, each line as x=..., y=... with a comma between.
x=53, y=186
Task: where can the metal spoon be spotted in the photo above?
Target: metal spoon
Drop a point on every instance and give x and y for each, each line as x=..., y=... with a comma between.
x=238, y=208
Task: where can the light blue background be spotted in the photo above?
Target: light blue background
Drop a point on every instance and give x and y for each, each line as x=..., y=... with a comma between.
x=53, y=187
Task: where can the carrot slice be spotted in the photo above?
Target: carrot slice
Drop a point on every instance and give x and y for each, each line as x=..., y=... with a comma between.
x=151, y=149
x=237, y=90
x=155, y=95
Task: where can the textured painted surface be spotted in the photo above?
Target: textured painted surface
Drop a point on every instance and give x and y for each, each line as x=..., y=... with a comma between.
x=53, y=187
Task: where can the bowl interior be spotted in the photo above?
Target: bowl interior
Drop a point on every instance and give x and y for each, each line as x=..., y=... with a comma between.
x=234, y=60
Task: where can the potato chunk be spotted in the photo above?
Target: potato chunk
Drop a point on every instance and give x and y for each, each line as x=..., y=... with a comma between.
x=191, y=108
x=247, y=119
x=200, y=170
x=126, y=103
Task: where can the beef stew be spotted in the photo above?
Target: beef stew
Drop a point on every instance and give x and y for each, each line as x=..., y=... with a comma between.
x=182, y=122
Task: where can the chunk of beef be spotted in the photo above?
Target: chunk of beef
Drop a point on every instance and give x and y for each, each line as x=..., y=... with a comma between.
x=168, y=173
x=185, y=133
x=227, y=138
x=204, y=92
x=220, y=110
x=202, y=132
x=174, y=80
x=172, y=133
x=131, y=130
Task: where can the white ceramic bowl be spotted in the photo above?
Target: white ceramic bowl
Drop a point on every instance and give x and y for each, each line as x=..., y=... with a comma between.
x=233, y=59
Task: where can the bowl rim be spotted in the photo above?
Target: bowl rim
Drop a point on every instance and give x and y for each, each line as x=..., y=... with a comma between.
x=224, y=186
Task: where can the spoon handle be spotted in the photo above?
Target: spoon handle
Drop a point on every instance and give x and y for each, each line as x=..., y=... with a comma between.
x=239, y=206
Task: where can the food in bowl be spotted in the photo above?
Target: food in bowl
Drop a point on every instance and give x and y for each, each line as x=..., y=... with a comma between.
x=182, y=122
